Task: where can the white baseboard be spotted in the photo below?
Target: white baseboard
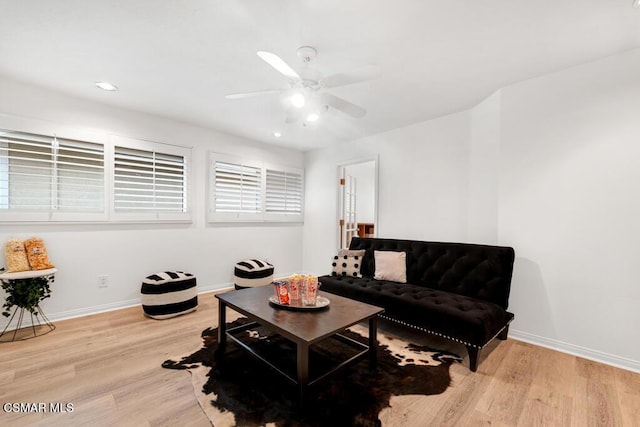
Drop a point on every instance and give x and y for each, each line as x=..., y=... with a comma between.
x=70, y=314
x=103, y=308
x=575, y=350
x=213, y=288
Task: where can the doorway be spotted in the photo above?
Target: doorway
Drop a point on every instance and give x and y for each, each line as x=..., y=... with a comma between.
x=358, y=207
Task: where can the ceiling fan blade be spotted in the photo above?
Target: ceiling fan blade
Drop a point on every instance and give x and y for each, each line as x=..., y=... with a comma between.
x=252, y=94
x=363, y=74
x=276, y=62
x=343, y=105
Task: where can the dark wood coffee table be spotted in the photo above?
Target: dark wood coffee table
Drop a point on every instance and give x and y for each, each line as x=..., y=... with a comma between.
x=304, y=328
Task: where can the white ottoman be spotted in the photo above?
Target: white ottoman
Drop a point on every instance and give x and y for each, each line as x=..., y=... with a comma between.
x=251, y=273
x=169, y=294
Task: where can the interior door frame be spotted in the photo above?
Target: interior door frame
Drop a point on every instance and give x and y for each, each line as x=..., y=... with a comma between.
x=339, y=170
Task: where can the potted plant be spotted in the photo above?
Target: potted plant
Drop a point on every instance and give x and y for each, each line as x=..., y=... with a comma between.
x=26, y=293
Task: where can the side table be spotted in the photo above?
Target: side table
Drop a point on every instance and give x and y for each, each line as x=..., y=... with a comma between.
x=38, y=327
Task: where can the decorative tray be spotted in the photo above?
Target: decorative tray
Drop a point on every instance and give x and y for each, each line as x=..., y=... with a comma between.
x=321, y=302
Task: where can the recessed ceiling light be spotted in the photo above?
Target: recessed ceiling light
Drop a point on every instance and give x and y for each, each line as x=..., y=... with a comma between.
x=106, y=86
x=277, y=134
x=313, y=117
x=636, y=3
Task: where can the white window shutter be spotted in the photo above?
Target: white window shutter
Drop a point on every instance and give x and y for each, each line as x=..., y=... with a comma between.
x=283, y=192
x=237, y=189
x=80, y=176
x=148, y=183
x=44, y=178
x=27, y=171
x=171, y=182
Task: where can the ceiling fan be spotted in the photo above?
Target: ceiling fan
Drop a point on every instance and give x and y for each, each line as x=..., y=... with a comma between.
x=306, y=95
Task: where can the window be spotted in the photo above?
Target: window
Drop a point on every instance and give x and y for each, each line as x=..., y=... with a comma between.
x=149, y=181
x=238, y=188
x=46, y=178
x=242, y=190
x=51, y=178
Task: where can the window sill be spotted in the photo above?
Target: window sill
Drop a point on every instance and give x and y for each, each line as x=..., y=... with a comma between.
x=115, y=222
x=263, y=223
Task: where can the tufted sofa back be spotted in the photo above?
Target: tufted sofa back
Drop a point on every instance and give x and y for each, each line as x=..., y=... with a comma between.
x=478, y=271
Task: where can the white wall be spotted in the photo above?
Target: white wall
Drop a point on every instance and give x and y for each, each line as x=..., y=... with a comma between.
x=484, y=167
x=365, y=175
x=422, y=186
x=570, y=204
x=129, y=252
x=550, y=166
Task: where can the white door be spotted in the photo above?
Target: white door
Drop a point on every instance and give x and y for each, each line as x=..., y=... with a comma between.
x=348, y=221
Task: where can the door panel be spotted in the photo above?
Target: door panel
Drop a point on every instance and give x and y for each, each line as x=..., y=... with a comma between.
x=357, y=210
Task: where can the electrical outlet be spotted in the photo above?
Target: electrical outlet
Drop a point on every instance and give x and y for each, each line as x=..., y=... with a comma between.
x=103, y=281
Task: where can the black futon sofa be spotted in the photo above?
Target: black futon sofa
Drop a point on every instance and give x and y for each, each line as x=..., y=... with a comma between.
x=457, y=291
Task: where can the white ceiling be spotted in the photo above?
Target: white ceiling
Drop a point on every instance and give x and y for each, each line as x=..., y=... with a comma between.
x=178, y=58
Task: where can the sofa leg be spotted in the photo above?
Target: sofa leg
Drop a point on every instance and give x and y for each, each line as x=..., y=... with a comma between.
x=473, y=358
x=503, y=335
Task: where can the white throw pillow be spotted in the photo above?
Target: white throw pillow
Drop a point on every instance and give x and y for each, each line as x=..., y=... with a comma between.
x=391, y=266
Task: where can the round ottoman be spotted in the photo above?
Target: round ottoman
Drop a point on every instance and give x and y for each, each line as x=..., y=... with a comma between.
x=169, y=294
x=251, y=273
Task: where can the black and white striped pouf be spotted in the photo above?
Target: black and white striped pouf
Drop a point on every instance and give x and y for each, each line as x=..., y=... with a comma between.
x=169, y=294
x=251, y=273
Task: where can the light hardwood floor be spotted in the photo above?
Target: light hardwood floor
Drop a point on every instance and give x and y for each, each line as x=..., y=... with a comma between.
x=108, y=366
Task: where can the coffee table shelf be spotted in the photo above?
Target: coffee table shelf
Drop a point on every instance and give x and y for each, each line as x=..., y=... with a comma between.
x=303, y=328
x=359, y=351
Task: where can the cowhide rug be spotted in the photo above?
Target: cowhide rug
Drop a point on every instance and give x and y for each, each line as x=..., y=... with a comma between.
x=239, y=390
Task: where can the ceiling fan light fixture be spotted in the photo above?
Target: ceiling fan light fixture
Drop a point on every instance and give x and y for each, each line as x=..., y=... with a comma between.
x=313, y=117
x=305, y=99
x=298, y=100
